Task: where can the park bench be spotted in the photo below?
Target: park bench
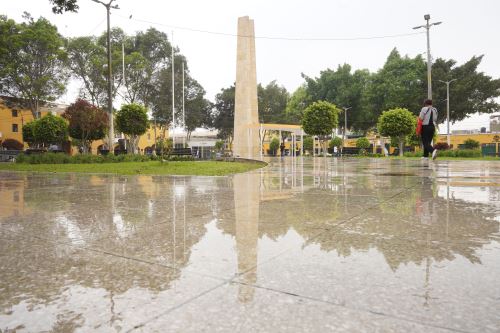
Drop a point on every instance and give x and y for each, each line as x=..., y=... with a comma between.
x=181, y=152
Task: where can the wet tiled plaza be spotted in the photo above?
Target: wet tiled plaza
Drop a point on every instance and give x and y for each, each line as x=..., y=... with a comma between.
x=301, y=245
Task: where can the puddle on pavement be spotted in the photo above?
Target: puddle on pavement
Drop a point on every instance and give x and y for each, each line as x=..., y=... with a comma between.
x=434, y=239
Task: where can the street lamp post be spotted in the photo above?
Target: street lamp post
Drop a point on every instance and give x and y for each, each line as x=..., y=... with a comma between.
x=111, y=132
x=448, y=109
x=427, y=26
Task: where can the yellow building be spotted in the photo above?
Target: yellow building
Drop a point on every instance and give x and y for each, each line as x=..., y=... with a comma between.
x=145, y=145
x=12, y=197
x=13, y=117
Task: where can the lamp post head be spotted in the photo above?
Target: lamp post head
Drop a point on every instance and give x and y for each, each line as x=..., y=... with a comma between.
x=427, y=17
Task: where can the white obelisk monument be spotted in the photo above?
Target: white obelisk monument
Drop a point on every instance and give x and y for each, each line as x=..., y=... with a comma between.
x=246, y=119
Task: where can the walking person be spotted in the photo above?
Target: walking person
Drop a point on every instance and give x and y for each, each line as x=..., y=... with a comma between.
x=429, y=116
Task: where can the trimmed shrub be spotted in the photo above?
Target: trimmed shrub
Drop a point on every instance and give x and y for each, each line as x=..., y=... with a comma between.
x=336, y=142
x=471, y=144
x=274, y=146
x=463, y=153
x=12, y=144
x=442, y=146
x=363, y=143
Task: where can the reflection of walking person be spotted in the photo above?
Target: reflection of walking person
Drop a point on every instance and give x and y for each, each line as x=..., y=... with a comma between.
x=429, y=116
x=282, y=149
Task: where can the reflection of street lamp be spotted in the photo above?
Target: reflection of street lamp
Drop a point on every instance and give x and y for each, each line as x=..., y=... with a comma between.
x=427, y=26
x=448, y=109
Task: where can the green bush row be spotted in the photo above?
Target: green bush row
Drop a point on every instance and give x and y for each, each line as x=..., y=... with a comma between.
x=450, y=153
x=59, y=158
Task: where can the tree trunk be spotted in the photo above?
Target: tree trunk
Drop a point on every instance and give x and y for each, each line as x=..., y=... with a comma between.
x=401, y=146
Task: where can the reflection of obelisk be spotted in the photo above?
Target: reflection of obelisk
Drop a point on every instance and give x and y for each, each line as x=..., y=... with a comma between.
x=246, y=119
x=246, y=204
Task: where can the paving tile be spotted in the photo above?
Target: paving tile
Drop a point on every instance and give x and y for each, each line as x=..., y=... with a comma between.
x=56, y=287
x=243, y=308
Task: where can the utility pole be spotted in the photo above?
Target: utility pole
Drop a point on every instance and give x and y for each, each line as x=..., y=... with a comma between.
x=344, y=136
x=427, y=26
x=448, y=140
x=111, y=133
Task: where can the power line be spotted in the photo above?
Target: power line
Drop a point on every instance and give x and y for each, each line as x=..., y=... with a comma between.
x=97, y=26
x=314, y=39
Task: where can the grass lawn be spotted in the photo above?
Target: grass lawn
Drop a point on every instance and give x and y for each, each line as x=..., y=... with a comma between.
x=201, y=168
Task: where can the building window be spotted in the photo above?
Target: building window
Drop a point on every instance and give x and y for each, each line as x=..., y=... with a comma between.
x=14, y=113
x=15, y=128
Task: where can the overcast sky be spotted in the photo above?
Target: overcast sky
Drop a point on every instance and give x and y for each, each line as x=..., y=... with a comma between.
x=469, y=28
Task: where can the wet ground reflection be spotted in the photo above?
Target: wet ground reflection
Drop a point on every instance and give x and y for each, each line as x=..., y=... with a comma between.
x=404, y=245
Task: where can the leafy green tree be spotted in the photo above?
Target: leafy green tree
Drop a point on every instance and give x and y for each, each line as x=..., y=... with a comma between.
x=296, y=105
x=274, y=145
x=223, y=114
x=29, y=134
x=272, y=100
x=397, y=124
x=363, y=143
x=473, y=91
x=50, y=129
x=399, y=83
x=308, y=143
x=136, y=77
x=31, y=61
x=164, y=146
x=132, y=120
x=219, y=145
x=87, y=123
x=147, y=54
x=87, y=62
x=61, y=6
x=471, y=144
x=197, y=108
x=336, y=142
x=320, y=118
x=344, y=88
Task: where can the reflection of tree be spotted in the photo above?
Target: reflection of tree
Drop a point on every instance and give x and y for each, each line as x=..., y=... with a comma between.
x=405, y=235
x=83, y=209
x=45, y=273
x=412, y=227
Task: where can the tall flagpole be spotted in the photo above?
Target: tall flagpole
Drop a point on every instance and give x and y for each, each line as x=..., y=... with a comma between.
x=173, y=94
x=183, y=110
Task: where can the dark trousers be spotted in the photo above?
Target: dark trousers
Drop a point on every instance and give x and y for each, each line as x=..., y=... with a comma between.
x=427, y=135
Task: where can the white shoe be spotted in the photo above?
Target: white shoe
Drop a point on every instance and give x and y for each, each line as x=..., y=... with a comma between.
x=424, y=158
x=434, y=154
